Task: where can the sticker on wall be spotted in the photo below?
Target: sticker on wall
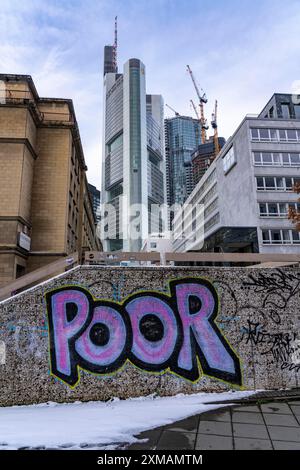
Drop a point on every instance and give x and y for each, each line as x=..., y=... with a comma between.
x=156, y=332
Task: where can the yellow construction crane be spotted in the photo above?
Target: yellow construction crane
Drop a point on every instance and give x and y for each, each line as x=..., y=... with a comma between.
x=202, y=100
x=214, y=125
x=176, y=114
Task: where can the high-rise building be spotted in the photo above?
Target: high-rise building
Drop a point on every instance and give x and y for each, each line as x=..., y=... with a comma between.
x=45, y=208
x=133, y=166
x=248, y=189
x=182, y=137
x=96, y=197
x=203, y=157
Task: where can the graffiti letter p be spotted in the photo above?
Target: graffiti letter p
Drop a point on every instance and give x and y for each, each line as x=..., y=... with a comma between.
x=71, y=309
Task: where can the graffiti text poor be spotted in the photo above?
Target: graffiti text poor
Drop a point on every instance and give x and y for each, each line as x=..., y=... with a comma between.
x=156, y=332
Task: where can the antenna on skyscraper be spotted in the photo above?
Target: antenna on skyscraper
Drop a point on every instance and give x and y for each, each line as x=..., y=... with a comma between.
x=116, y=43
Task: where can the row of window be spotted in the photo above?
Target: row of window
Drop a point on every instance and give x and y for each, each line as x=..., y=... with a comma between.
x=276, y=209
x=280, y=237
x=276, y=159
x=275, y=135
x=277, y=183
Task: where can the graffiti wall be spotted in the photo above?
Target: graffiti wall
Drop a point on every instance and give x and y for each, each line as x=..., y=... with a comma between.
x=97, y=332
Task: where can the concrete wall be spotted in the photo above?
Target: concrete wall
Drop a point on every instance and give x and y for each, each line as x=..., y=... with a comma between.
x=199, y=329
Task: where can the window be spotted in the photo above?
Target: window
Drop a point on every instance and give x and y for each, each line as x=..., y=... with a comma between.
x=297, y=111
x=263, y=209
x=254, y=134
x=295, y=237
x=152, y=245
x=292, y=135
x=280, y=237
x=257, y=158
x=274, y=209
x=282, y=135
x=279, y=183
x=275, y=135
x=229, y=160
x=264, y=134
x=294, y=158
x=285, y=111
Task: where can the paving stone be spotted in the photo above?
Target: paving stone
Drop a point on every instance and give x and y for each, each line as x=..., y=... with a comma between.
x=248, y=409
x=243, y=443
x=185, y=425
x=276, y=407
x=284, y=433
x=217, y=416
x=258, y=431
x=281, y=445
x=215, y=427
x=171, y=440
x=296, y=409
x=280, y=420
x=242, y=417
x=150, y=440
x=213, y=442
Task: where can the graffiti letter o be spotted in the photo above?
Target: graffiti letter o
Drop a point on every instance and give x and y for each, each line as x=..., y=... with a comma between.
x=153, y=351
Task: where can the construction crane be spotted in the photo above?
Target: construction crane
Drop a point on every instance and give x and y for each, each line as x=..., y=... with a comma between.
x=176, y=114
x=195, y=109
x=202, y=100
x=197, y=115
x=214, y=125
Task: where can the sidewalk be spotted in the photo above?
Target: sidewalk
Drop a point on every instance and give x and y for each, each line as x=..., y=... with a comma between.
x=261, y=426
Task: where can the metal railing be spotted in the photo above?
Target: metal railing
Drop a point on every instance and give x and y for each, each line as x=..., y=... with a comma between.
x=99, y=257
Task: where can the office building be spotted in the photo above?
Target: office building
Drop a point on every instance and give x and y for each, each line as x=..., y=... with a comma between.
x=95, y=197
x=133, y=165
x=182, y=137
x=45, y=208
x=247, y=190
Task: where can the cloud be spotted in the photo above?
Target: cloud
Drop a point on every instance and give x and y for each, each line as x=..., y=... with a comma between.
x=241, y=53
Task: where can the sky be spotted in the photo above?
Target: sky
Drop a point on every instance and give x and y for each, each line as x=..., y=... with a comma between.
x=241, y=52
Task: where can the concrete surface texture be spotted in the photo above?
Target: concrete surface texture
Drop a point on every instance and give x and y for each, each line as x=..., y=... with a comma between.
x=100, y=332
x=260, y=426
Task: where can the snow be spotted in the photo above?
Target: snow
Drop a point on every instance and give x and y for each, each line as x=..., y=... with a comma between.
x=99, y=424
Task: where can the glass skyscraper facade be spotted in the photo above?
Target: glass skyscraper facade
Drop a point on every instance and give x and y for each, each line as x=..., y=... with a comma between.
x=133, y=157
x=182, y=137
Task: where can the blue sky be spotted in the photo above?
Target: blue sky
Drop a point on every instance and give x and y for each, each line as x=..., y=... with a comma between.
x=240, y=51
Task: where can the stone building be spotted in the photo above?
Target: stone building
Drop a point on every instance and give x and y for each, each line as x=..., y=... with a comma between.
x=45, y=207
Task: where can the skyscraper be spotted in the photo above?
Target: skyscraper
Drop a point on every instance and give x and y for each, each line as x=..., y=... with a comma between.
x=133, y=173
x=182, y=137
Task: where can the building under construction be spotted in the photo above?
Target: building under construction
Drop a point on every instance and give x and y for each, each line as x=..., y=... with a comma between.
x=210, y=146
x=203, y=157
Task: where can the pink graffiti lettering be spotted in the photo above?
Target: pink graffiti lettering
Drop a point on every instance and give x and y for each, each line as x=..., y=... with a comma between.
x=156, y=332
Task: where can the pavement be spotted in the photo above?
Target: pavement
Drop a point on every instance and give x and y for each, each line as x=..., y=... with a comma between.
x=263, y=424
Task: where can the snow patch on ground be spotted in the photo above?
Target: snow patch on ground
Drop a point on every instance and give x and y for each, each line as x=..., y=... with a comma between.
x=99, y=424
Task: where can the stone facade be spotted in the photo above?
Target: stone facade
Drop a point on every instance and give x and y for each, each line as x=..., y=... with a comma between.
x=243, y=333
x=43, y=182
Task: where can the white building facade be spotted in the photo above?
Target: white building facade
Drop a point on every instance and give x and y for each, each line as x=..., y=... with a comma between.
x=246, y=192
